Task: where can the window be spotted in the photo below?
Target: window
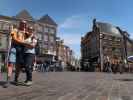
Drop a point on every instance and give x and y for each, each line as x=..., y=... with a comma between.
x=45, y=37
x=46, y=29
x=45, y=46
x=118, y=39
x=1, y=25
x=41, y=50
x=51, y=48
x=40, y=28
x=3, y=42
x=39, y=35
x=6, y=26
x=52, y=31
x=105, y=37
x=113, y=38
x=51, y=39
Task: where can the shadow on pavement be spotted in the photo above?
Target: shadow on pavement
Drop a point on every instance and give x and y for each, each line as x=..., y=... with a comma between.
x=126, y=79
x=2, y=83
x=18, y=84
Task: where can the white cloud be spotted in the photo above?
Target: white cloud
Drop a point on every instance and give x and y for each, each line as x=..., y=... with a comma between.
x=71, y=39
x=72, y=22
x=71, y=30
x=73, y=26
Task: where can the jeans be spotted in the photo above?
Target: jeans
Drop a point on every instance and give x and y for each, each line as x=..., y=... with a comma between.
x=28, y=60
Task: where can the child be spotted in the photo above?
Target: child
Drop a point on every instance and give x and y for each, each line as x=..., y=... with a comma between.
x=11, y=64
x=11, y=61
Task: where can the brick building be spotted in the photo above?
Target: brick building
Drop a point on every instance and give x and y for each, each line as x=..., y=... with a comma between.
x=104, y=42
x=45, y=29
x=64, y=53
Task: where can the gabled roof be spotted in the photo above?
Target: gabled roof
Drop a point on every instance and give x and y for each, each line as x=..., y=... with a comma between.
x=24, y=14
x=48, y=20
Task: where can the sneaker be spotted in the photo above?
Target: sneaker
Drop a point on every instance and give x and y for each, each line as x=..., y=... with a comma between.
x=7, y=83
x=16, y=83
x=25, y=81
x=28, y=83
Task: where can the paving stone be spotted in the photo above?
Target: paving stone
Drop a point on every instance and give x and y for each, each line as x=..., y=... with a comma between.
x=72, y=86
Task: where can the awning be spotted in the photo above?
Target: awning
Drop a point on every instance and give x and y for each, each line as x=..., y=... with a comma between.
x=130, y=58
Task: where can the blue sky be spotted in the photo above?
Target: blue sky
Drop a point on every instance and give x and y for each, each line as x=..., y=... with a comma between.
x=74, y=17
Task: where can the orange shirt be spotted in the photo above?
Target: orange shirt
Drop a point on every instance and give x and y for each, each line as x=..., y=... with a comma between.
x=17, y=36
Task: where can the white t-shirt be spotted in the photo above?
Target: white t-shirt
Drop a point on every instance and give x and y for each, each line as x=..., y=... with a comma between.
x=30, y=40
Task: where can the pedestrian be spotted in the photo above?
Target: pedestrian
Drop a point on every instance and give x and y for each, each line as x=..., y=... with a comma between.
x=14, y=53
x=113, y=65
x=34, y=64
x=41, y=67
x=44, y=67
x=47, y=66
x=11, y=58
x=121, y=67
x=18, y=38
x=117, y=66
x=29, y=54
x=104, y=67
x=11, y=63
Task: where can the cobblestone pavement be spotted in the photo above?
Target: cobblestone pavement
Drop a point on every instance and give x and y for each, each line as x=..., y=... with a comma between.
x=72, y=86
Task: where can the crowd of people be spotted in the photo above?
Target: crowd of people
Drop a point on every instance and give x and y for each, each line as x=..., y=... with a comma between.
x=48, y=66
x=21, y=52
x=42, y=67
x=113, y=66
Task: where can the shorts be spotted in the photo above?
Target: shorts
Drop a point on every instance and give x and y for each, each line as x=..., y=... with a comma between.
x=12, y=56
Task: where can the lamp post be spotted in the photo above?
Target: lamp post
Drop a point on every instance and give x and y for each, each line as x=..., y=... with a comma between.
x=100, y=47
x=101, y=51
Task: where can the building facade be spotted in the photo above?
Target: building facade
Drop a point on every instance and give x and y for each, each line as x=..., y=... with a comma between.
x=104, y=43
x=64, y=54
x=44, y=28
x=46, y=31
